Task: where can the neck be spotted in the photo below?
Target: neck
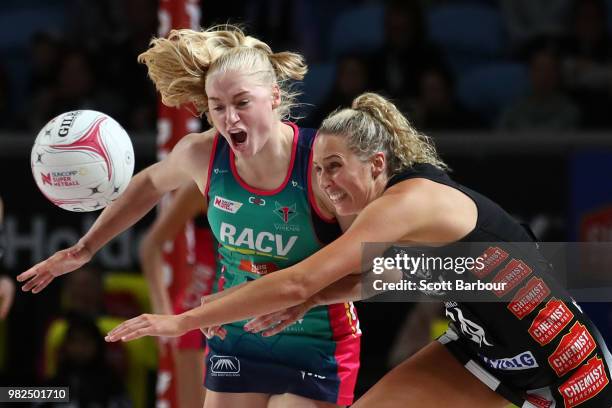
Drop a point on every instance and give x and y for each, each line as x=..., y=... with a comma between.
x=274, y=156
x=378, y=188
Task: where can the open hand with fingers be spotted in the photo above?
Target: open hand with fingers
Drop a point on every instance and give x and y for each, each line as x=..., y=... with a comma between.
x=276, y=322
x=147, y=325
x=40, y=275
x=213, y=331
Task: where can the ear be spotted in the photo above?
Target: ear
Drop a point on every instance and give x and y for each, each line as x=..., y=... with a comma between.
x=276, y=96
x=378, y=163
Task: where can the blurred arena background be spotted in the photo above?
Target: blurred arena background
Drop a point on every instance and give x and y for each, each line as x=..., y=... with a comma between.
x=516, y=94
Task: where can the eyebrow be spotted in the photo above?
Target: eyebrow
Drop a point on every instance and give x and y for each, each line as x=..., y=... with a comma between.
x=331, y=156
x=233, y=97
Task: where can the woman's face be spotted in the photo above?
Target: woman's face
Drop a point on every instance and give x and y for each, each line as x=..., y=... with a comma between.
x=242, y=110
x=346, y=180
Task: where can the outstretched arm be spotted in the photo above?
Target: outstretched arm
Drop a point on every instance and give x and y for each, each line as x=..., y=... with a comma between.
x=347, y=289
x=189, y=159
x=383, y=220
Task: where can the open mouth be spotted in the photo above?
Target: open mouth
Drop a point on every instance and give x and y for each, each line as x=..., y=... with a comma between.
x=238, y=137
x=336, y=197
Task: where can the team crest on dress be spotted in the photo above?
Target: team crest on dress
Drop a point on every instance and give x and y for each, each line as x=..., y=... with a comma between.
x=285, y=212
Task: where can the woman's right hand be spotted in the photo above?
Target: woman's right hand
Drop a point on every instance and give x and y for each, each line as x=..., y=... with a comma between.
x=67, y=260
x=212, y=331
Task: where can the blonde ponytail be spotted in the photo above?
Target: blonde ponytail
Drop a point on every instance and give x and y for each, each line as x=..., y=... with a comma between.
x=374, y=124
x=180, y=64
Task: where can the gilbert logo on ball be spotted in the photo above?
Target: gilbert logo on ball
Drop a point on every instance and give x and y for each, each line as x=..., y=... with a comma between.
x=82, y=160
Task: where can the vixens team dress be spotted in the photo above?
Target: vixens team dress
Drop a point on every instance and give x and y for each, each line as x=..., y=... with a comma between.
x=260, y=232
x=529, y=342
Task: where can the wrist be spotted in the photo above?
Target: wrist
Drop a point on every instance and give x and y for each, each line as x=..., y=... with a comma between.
x=314, y=301
x=85, y=246
x=189, y=321
x=184, y=322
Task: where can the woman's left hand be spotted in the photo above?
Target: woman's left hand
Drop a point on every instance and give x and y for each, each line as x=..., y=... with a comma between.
x=147, y=325
x=276, y=322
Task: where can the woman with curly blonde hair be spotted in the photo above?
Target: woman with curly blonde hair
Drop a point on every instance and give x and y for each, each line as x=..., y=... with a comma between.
x=254, y=171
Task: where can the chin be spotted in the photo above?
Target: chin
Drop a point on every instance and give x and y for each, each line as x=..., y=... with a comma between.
x=345, y=210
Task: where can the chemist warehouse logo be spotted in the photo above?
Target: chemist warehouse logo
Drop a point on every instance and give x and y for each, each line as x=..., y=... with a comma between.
x=585, y=383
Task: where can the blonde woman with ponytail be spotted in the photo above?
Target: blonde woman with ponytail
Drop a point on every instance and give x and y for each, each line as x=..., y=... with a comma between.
x=254, y=170
x=521, y=346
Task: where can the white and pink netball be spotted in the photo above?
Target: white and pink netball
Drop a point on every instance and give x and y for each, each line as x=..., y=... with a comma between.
x=82, y=160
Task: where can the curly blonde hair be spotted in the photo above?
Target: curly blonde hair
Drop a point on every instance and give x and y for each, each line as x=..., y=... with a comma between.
x=374, y=124
x=180, y=64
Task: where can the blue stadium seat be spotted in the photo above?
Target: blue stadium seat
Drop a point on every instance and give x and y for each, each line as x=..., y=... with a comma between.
x=359, y=30
x=489, y=89
x=468, y=34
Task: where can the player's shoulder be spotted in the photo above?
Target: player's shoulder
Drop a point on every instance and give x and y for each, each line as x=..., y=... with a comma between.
x=196, y=143
x=417, y=194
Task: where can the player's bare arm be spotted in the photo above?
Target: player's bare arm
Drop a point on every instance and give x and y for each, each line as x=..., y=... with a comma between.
x=187, y=161
x=298, y=283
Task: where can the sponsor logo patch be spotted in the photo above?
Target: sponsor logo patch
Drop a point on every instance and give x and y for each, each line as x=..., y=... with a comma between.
x=491, y=258
x=585, y=383
x=257, y=201
x=528, y=297
x=46, y=178
x=550, y=321
x=539, y=402
x=226, y=205
x=313, y=375
x=285, y=212
x=66, y=178
x=225, y=365
x=257, y=268
x=573, y=349
x=512, y=275
x=523, y=361
x=260, y=242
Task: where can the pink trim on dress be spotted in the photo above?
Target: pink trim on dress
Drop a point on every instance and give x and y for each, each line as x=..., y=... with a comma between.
x=346, y=334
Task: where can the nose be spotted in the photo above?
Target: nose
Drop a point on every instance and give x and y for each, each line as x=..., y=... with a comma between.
x=324, y=180
x=231, y=116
